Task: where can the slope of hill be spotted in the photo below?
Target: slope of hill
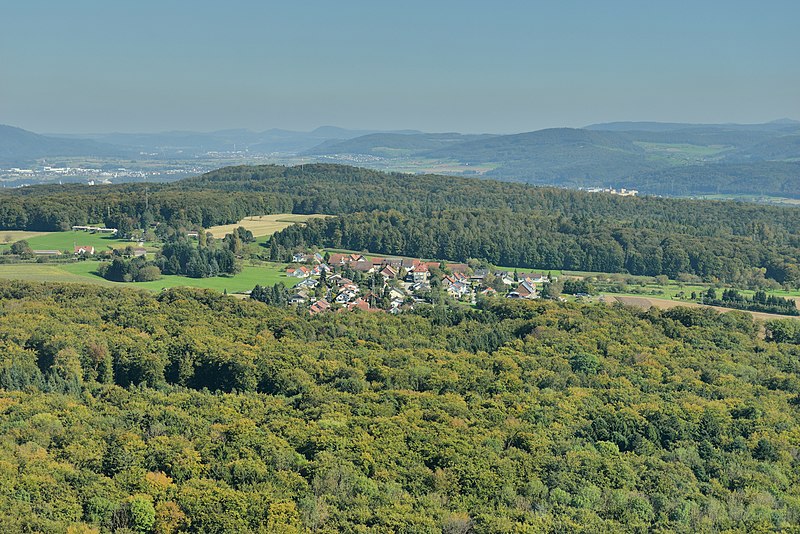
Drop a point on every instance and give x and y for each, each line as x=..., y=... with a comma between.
x=519, y=146
x=197, y=143
x=393, y=144
x=21, y=146
x=782, y=148
x=559, y=156
x=620, y=156
x=764, y=178
x=644, y=126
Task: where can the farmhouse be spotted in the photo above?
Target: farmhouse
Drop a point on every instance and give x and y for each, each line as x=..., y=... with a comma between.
x=298, y=272
x=419, y=274
x=460, y=268
x=344, y=259
x=308, y=283
x=319, y=307
x=301, y=297
x=93, y=229
x=302, y=257
x=527, y=290
x=388, y=273
x=84, y=250
x=361, y=265
x=359, y=304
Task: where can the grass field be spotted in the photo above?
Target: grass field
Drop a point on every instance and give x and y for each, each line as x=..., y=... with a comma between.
x=70, y=239
x=665, y=304
x=680, y=152
x=763, y=199
x=262, y=225
x=9, y=236
x=86, y=272
x=42, y=272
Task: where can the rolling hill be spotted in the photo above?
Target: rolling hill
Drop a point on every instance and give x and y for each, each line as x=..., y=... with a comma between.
x=655, y=158
x=20, y=146
x=198, y=143
x=394, y=144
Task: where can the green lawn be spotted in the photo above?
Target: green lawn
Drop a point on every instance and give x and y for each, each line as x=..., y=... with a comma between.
x=85, y=272
x=43, y=272
x=68, y=240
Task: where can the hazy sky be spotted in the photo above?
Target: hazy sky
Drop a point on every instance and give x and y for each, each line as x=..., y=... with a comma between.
x=434, y=65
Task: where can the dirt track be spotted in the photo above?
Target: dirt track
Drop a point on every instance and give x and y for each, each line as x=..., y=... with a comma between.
x=664, y=304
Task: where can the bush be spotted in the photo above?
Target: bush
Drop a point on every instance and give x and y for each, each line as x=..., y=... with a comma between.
x=148, y=274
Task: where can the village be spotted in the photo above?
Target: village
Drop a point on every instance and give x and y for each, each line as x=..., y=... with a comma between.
x=349, y=281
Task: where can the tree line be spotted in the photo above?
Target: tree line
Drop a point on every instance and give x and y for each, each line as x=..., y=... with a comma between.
x=448, y=217
x=759, y=302
x=539, y=241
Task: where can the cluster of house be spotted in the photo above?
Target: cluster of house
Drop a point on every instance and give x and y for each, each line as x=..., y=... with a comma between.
x=403, y=282
x=93, y=229
x=77, y=250
x=82, y=251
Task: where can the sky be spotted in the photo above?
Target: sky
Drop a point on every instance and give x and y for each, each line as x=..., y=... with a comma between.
x=436, y=65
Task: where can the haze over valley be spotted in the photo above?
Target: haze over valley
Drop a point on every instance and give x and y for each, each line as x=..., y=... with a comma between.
x=754, y=160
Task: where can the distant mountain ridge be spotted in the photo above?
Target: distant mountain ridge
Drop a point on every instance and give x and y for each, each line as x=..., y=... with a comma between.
x=18, y=146
x=648, y=126
x=655, y=158
x=197, y=143
x=411, y=143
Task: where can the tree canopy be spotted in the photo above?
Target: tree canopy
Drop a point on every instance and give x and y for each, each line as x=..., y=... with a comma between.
x=192, y=411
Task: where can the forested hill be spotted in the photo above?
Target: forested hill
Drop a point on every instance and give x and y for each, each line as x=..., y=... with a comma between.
x=616, y=154
x=392, y=143
x=338, y=189
x=193, y=412
x=449, y=217
x=18, y=145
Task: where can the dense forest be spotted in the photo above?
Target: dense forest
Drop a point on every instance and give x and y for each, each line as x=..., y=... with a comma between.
x=544, y=242
x=448, y=218
x=191, y=411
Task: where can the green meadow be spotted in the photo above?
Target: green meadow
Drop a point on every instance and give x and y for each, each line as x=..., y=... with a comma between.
x=86, y=272
x=70, y=239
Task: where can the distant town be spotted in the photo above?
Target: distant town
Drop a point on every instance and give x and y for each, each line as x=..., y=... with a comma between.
x=22, y=176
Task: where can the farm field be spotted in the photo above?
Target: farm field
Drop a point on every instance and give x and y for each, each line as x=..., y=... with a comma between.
x=67, y=240
x=665, y=304
x=263, y=225
x=9, y=236
x=85, y=272
x=763, y=199
x=682, y=152
x=43, y=272
x=674, y=290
